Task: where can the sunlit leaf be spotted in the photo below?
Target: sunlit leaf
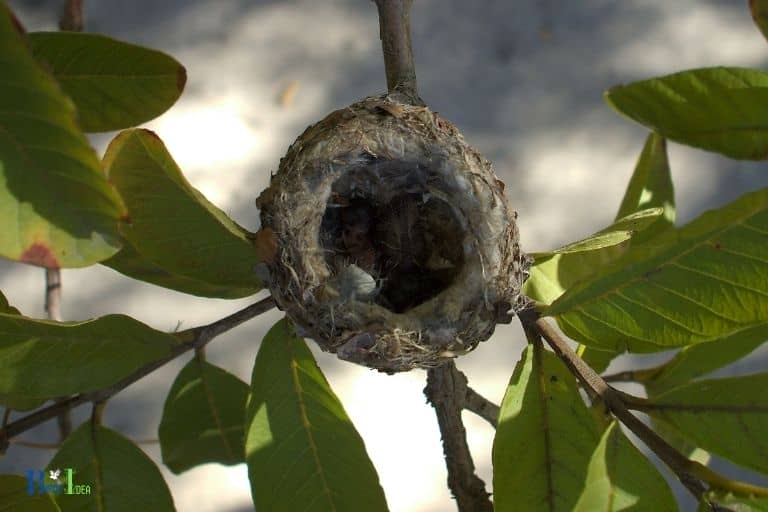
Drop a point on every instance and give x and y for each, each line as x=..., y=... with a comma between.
x=728, y=417
x=554, y=272
x=697, y=360
x=41, y=359
x=203, y=418
x=171, y=224
x=15, y=497
x=119, y=476
x=129, y=262
x=696, y=284
x=621, y=478
x=113, y=84
x=651, y=187
x=718, y=109
x=544, y=439
x=56, y=207
x=302, y=450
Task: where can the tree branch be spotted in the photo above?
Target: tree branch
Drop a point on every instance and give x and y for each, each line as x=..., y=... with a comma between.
x=478, y=404
x=395, y=34
x=53, y=312
x=72, y=16
x=692, y=475
x=446, y=387
x=194, y=338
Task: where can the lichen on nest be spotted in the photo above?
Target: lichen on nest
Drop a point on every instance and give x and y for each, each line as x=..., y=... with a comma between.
x=388, y=240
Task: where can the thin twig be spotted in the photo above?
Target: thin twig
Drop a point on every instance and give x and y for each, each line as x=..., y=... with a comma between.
x=191, y=339
x=446, y=386
x=53, y=312
x=395, y=34
x=72, y=16
x=697, y=478
x=478, y=404
x=642, y=375
x=678, y=463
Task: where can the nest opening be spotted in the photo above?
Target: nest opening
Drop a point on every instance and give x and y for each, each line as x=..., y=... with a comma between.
x=384, y=219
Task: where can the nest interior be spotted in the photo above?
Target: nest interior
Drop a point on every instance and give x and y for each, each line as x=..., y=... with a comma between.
x=382, y=218
x=394, y=244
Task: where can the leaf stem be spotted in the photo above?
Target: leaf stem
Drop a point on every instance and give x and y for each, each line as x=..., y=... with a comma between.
x=191, y=339
x=478, y=404
x=445, y=390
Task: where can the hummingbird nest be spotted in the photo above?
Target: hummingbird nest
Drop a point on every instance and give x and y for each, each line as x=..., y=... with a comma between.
x=388, y=240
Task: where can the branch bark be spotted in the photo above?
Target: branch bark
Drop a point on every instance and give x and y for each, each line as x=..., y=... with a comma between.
x=446, y=386
x=395, y=34
x=696, y=477
x=192, y=339
x=53, y=312
x=72, y=16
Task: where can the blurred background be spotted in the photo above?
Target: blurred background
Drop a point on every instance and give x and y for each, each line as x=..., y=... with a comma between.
x=522, y=79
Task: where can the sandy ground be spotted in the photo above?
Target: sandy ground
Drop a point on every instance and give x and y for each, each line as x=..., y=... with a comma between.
x=522, y=79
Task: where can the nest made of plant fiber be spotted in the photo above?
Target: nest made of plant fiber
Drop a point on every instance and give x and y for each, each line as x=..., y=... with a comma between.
x=388, y=240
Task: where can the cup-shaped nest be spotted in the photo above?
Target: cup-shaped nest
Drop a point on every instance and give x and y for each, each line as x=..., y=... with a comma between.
x=388, y=240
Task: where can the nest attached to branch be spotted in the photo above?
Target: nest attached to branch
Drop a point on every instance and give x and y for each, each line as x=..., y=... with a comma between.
x=388, y=240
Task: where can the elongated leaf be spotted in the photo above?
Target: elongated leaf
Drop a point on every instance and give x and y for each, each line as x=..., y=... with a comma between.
x=620, y=477
x=114, y=85
x=132, y=264
x=728, y=417
x=620, y=231
x=119, y=476
x=56, y=207
x=554, y=272
x=303, y=452
x=170, y=223
x=718, y=109
x=697, y=360
x=15, y=497
x=693, y=285
x=544, y=439
x=203, y=418
x=759, y=9
x=41, y=359
x=651, y=187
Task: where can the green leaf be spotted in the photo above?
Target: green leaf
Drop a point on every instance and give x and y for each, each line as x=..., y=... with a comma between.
x=40, y=359
x=554, y=272
x=56, y=207
x=203, y=418
x=728, y=417
x=651, y=187
x=302, y=450
x=697, y=360
x=717, y=109
x=119, y=476
x=759, y=9
x=132, y=264
x=620, y=477
x=114, y=85
x=696, y=284
x=171, y=224
x=544, y=439
x=5, y=307
x=620, y=231
x=15, y=498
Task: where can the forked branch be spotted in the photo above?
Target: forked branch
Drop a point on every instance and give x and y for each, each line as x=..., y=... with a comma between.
x=192, y=339
x=697, y=478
